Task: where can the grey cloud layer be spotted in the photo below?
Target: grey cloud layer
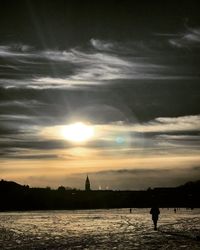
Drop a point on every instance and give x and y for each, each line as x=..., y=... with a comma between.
x=143, y=178
x=150, y=84
x=162, y=135
x=22, y=65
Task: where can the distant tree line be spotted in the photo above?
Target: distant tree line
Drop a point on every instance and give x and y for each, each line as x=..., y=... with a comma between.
x=14, y=196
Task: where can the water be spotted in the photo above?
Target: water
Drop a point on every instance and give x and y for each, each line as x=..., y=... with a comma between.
x=99, y=229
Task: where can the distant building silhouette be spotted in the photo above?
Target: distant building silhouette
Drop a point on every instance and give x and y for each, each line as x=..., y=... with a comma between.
x=87, y=184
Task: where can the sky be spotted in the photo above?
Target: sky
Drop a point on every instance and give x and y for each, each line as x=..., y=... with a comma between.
x=126, y=73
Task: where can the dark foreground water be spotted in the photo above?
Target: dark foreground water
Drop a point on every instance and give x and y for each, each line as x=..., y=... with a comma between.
x=100, y=229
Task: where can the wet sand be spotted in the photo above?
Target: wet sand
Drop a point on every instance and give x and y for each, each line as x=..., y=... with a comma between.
x=100, y=229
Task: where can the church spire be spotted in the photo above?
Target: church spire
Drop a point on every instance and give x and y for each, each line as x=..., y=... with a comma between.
x=87, y=184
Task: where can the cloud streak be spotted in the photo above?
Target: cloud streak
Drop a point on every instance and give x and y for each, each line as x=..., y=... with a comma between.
x=188, y=39
x=170, y=124
x=101, y=62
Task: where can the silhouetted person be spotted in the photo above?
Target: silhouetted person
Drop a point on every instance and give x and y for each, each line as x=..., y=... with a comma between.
x=130, y=210
x=174, y=210
x=155, y=213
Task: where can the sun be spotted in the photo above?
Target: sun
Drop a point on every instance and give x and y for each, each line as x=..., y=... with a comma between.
x=77, y=132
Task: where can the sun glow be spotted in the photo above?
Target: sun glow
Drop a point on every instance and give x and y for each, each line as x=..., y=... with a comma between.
x=77, y=132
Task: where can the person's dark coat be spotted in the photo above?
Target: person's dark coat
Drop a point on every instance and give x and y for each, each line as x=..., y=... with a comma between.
x=155, y=213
